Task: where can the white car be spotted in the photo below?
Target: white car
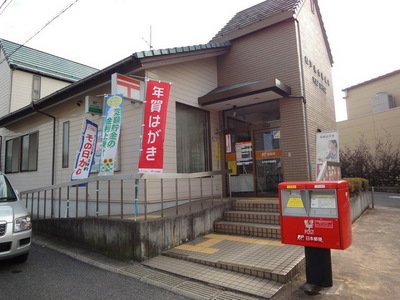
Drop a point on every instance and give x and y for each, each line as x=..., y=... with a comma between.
x=15, y=224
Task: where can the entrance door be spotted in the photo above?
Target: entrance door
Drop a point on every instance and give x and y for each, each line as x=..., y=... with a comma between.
x=268, y=164
x=255, y=158
x=240, y=160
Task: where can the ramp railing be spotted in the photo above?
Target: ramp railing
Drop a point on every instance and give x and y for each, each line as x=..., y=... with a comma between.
x=127, y=196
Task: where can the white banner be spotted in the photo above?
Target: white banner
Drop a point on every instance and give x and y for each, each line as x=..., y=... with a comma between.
x=86, y=152
x=327, y=145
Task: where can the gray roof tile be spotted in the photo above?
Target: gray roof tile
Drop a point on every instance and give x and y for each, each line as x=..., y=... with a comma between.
x=44, y=63
x=258, y=13
x=175, y=50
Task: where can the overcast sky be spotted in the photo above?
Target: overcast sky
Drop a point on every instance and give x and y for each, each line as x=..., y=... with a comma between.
x=363, y=34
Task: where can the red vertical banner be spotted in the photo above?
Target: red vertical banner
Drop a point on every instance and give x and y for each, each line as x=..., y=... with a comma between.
x=151, y=159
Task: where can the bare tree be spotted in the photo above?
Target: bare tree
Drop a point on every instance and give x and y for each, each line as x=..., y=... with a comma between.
x=380, y=165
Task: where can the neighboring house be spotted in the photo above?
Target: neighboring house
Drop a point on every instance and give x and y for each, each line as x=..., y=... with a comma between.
x=252, y=99
x=28, y=75
x=373, y=109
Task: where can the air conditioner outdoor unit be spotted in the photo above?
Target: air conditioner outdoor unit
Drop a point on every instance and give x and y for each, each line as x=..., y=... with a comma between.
x=382, y=102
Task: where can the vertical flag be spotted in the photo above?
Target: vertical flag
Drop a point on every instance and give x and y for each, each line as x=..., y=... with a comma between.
x=111, y=130
x=155, y=117
x=86, y=152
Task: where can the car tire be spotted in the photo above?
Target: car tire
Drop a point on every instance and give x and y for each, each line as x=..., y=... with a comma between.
x=21, y=258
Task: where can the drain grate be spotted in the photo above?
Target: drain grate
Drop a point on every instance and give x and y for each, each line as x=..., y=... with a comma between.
x=139, y=270
x=166, y=279
x=233, y=296
x=194, y=288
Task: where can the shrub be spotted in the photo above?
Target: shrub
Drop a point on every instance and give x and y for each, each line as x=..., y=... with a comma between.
x=379, y=163
x=357, y=186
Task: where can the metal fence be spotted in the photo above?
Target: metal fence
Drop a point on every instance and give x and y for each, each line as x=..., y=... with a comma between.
x=126, y=196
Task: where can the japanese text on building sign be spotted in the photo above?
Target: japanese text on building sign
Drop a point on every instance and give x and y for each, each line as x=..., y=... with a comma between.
x=155, y=113
x=86, y=153
x=111, y=130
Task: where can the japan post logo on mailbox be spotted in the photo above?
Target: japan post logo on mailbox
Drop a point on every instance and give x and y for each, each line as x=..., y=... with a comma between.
x=315, y=214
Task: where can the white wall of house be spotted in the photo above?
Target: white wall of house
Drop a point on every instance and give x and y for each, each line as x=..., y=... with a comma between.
x=22, y=88
x=5, y=85
x=189, y=80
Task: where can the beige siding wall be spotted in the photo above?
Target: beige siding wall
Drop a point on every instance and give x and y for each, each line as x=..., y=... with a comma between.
x=270, y=53
x=318, y=83
x=22, y=88
x=5, y=86
x=189, y=81
x=42, y=176
x=371, y=128
x=362, y=122
x=281, y=51
x=359, y=98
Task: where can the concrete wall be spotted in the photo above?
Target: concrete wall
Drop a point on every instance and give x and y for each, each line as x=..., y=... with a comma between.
x=129, y=240
x=359, y=204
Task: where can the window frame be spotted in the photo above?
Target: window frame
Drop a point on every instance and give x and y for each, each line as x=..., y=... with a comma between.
x=19, y=159
x=30, y=156
x=36, y=87
x=15, y=144
x=65, y=144
x=181, y=166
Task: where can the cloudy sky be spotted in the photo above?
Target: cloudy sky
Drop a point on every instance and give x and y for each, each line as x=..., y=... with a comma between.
x=363, y=34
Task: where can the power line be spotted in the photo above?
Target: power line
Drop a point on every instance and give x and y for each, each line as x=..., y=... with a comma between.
x=3, y=4
x=47, y=24
x=6, y=6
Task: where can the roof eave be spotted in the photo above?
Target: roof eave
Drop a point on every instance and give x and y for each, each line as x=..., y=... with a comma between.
x=324, y=34
x=29, y=70
x=134, y=63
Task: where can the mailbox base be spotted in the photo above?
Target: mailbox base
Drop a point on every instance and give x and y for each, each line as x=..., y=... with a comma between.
x=318, y=266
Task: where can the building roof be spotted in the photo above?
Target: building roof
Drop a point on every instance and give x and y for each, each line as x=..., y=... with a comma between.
x=134, y=63
x=372, y=80
x=248, y=20
x=176, y=50
x=32, y=60
x=257, y=13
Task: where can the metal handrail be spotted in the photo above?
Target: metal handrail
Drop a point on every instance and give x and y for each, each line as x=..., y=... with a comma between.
x=107, y=199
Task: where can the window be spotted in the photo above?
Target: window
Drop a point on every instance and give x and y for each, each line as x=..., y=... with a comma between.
x=29, y=152
x=192, y=139
x=35, y=88
x=12, y=155
x=65, y=145
x=22, y=153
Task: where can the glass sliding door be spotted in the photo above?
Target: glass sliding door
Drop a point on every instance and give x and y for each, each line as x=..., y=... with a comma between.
x=269, y=171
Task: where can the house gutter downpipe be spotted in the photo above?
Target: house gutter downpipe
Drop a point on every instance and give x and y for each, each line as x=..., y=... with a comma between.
x=53, y=173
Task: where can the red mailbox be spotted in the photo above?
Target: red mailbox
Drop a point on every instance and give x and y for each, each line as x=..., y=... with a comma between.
x=315, y=214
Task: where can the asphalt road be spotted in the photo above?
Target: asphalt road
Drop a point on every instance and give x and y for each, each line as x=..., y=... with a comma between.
x=48, y=274
x=387, y=199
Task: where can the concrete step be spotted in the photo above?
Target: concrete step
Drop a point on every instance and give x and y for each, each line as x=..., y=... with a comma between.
x=257, y=266
x=252, y=217
x=249, y=285
x=248, y=229
x=260, y=206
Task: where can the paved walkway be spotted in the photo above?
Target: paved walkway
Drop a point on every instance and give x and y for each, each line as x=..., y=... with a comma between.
x=367, y=270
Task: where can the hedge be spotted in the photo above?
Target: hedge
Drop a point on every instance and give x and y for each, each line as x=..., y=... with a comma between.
x=357, y=186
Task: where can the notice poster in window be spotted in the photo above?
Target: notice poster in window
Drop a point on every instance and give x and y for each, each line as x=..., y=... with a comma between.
x=244, y=153
x=323, y=200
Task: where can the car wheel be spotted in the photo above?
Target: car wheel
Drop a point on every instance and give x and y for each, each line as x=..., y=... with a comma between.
x=21, y=258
